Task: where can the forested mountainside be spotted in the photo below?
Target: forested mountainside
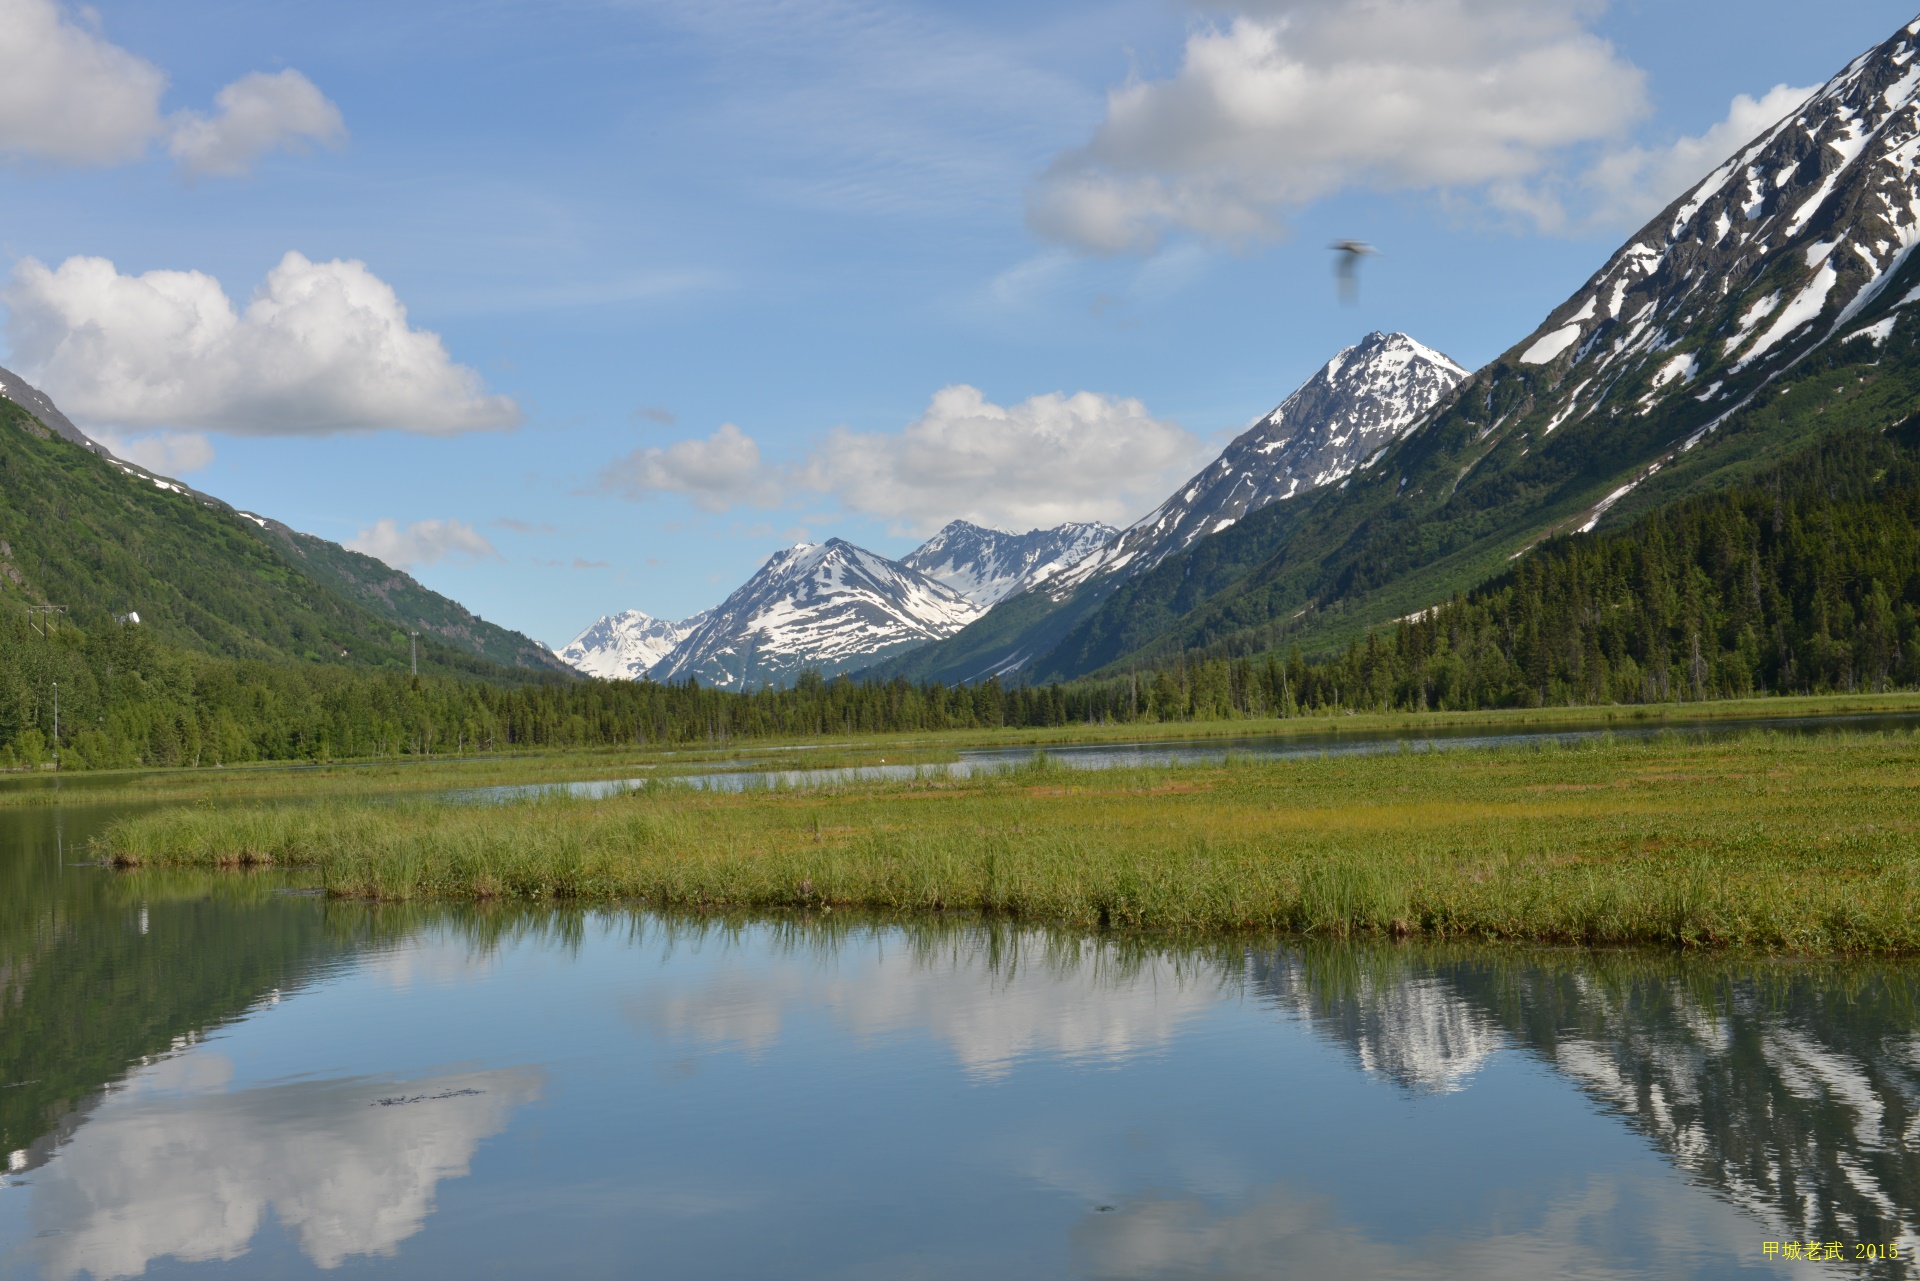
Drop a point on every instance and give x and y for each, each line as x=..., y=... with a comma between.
x=1805, y=580
x=1769, y=305
x=82, y=529
x=400, y=599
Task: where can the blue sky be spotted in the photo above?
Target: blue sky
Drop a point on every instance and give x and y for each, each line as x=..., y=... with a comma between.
x=700, y=272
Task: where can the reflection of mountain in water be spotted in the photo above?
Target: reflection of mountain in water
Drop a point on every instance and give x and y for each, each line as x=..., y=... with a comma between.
x=100, y=973
x=1413, y=1031
x=1792, y=1091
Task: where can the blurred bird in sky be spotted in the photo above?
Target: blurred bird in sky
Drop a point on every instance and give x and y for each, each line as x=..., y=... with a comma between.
x=1346, y=266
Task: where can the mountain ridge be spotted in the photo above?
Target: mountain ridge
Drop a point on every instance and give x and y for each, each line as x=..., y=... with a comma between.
x=831, y=607
x=1763, y=307
x=84, y=528
x=1365, y=398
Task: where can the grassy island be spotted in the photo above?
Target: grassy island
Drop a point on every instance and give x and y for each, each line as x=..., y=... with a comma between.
x=1806, y=845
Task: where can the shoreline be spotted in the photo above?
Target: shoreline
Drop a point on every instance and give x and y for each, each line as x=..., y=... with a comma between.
x=1762, y=842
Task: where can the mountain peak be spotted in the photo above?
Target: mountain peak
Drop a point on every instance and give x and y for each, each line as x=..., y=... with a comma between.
x=988, y=565
x=1365, y=398
x=625, y=646
x=831, y=606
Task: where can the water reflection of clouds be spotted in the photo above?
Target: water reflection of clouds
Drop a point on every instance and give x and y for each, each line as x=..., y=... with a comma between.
x=431, y=960
x=1077, y=1004
x=1284, y=1232
x=175, y=1167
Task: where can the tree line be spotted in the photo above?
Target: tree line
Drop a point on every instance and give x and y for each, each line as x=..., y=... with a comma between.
x=1804, y=580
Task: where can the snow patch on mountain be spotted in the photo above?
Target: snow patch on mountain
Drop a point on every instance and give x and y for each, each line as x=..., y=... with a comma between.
x=1362, y=400
x=829, y=606
x=625, y=646
x=989, y=565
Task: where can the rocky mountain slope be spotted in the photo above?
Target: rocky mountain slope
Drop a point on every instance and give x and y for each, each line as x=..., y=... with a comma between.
x=625, y=646
x=1364, y=399
x=1361, y=401
x=102, y=536
x=1766, y=307
x=988, y=565
x=829, y=606
x=884, y=611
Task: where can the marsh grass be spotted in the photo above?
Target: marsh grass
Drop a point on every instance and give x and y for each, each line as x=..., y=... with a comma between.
x=417, y=775
x=1765, y=841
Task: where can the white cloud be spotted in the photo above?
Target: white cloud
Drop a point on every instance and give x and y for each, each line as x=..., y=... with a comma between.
x=425, y=542
x=258, y=113
x=1294, y=100
x=1634, y=183
x=156, y=1174
x=1046, y=460
x=724, y=470
x=69, y=95
x=1080, y=1005
x=170, y=453
x=320, y=348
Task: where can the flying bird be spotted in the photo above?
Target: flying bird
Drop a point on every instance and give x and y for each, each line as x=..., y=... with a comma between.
x=1346, y=266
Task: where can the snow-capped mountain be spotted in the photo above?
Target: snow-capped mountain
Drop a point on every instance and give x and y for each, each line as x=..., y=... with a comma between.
x=624, y=646
x=988, y=565
x=1794, y=243
x=830, y=606
x=1361, y=401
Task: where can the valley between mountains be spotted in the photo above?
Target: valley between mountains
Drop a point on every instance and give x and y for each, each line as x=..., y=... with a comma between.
x=1768, y=307
x=1767, y=313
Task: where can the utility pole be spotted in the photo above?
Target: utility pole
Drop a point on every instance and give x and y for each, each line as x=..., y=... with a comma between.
x=413, y=641
x=46, y=615
x=56, y=725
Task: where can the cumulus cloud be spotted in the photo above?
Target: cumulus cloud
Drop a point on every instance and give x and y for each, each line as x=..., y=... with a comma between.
x=990, y=1012
x=724, y=470
x=70, y=95
x=321, y=347
x=1040, y=462
x=1634, y=183
x=195, y=1176
x=425, y=542
x=1293, y=100
x=257, y=113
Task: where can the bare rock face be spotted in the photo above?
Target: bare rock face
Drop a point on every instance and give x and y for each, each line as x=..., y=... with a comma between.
x=1361, y=401
x=830, y=606
x=1799, y=242
x=989, y=565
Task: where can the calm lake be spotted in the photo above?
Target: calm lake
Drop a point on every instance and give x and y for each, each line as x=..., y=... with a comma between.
x=220, y=1076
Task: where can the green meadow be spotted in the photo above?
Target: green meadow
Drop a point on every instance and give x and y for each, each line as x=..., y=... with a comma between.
x=1763, y=841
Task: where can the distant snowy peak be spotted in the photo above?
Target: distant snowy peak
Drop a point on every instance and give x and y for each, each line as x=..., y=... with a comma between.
x=988, y=565
x=623, y=647
x=830, y=606
x=1361, y=401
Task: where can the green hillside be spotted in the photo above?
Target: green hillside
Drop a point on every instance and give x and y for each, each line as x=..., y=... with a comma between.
x=400, y=599
x=78, y=531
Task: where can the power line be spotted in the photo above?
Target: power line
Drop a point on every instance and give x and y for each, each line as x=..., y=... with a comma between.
x=48, y=616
